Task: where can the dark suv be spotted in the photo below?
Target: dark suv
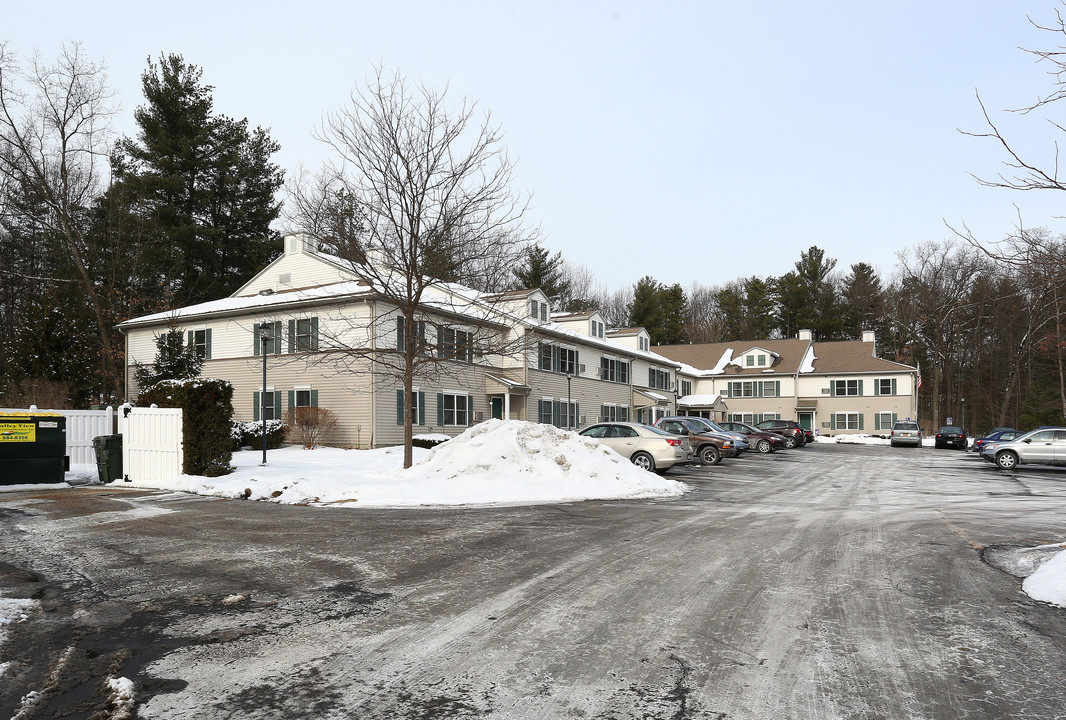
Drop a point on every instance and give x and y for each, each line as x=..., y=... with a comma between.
x=795, y=435
x=708, y=447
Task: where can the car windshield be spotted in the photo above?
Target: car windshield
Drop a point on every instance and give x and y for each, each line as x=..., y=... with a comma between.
x=699, y=424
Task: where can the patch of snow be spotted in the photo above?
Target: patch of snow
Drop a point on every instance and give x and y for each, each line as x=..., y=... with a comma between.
x=496, y=461
x=13, y=610
x=719, y=367
x=1048, y=582
x=82, y=474
x=807, y=365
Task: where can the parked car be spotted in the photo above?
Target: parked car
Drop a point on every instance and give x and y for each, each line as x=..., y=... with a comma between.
x=646, y=447
x=905, y=432
x=1043, y=446
x=951, y=436
x=707, y=447
x=762, y=440
x=994, y=435
x=739, y=441
x=792, y=431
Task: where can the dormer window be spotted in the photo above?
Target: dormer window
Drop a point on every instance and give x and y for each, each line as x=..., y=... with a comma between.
x=544, y=312
x=749, y=360
x=534, y=309
x=597, y=329
x=761, y=361
x=644, y=343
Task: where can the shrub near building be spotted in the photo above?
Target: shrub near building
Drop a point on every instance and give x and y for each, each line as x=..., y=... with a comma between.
x=207, y=413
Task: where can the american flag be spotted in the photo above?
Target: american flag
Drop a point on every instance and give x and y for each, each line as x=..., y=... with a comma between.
x=919, y=375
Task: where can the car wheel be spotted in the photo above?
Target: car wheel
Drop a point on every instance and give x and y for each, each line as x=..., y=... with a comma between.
x=644, y=461
x=765, y=446
x=791, y=442
x=709, y=455
x=1007, y=460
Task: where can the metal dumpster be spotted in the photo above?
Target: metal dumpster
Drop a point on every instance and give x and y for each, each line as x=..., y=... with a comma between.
x=108, y=457
x=33, y=448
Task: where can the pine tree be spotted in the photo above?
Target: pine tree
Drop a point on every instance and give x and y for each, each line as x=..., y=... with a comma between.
x=539, y=270
x=173, y=361
x=202, y=184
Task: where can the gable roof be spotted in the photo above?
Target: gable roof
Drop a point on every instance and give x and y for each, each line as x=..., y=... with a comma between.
x=852, y=356
x=791, y=357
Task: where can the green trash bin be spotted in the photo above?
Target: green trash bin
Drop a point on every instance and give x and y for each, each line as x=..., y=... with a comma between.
x=108, y=457
x=33, y=448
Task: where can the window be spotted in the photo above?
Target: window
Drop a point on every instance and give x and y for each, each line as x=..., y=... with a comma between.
x=303, y=335
x=416, y=407
x=455, y=345
x=847, y=421
x=643, y=343
x=746, y=418
x=534, y=309
x=266, y=406
x=614, y=370
x=754, y=388
x=614, y=413
x=557, y=359
x=770, y=388
x=884, y=420
x=597, y=329
x=544, y=312
x=847, y=387
x=559, y=413
x=885, y=386
x=686, y=387
x=401, y=334
x=658, y=379
x=302, y=398
x=200, y=341
x=267, y=338
x=749, y=360
x=454, y=409
x=762, y=361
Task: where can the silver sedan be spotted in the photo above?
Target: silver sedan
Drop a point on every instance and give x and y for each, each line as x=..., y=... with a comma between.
x=645, y=446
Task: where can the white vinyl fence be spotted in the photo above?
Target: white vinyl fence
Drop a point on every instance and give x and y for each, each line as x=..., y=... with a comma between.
x=82, y=427
x=151, y=443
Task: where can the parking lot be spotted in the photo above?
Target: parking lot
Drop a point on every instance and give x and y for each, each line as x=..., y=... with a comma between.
x=831, y=581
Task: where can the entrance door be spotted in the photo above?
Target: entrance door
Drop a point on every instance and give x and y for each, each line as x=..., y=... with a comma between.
x=496, y=407
x=806, y=420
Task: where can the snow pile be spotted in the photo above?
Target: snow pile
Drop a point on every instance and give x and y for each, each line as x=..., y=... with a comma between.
x=1048, y=583
x=122, y=698
x=12, y=610
x=493, y=462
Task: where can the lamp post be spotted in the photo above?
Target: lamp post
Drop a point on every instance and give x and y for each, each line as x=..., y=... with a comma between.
x=569, y=416
x=263, y=339
x=963, y=423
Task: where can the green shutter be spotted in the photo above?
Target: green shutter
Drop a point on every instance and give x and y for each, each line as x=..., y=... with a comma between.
x=421, y=408
x=861, y=417
x=555, y=413
x=277, y=406
x=399, y=334
x=255, y=407
x=894, y=418
x=292, y=399
x=277, y=337
x=540, y=410
x=292, y=336
x=833, y=388
x=877, y=421
x=399, y=407
x=191, y=339
x=833, y=422
x=256, y=344
x=440, y=409
x=314, y=398
x=893, y=386
x=469, y=409
x=860, y=386
x=207, y=340
x=314, y=333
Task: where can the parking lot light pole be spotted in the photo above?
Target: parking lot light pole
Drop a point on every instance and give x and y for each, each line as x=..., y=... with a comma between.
x=262, y=396
x=569, y=418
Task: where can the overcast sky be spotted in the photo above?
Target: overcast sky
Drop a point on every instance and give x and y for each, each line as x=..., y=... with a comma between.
x=692, y=141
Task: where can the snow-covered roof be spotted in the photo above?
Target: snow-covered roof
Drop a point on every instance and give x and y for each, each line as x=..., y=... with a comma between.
x=699, y=400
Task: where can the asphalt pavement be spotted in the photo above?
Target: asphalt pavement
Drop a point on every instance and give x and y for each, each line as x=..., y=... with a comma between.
x=830, y=581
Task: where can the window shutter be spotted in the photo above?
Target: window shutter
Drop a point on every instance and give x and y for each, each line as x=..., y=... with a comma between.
x=256, y=344
x=861, y=416
x=860, y=391
x=577, y=415
x=893, y=418
x=189, y=344
x=421, y=408
x=207, y=334
x=255, y=407
x=777, y=388
x=469, y=409
x=440, y=409
x=893, y=386
x=651, y=377
x=292, y=336
x=277, y=406
x=540, y=411
x=555, y=413
x=758, y=389
x=833, y=422
x=833, y=389
x=399, y=407
x=314, y=333
x=877, y=420
x=292, y=399
x=399, y=334
x=314, y=398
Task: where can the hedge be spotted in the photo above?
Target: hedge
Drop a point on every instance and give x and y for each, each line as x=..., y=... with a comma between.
x=207, y=412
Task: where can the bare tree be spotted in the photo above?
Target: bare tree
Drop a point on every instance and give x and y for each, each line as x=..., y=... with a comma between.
x=54, y=141
x=419, y=201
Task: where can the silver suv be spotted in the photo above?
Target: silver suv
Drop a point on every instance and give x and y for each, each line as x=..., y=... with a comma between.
x=905, y=432
x=1043, y=446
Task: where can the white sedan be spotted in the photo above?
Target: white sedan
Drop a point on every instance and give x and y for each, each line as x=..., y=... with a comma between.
x=645, y=446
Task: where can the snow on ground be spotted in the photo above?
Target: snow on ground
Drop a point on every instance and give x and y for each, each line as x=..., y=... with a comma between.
x=492, y=462
x=12, y=610
x=1048, y=583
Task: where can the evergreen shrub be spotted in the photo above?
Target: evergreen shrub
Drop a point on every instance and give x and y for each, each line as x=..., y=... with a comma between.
x=207, y=413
